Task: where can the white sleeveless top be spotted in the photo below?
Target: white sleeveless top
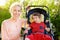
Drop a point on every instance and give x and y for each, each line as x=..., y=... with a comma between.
x=11, y=30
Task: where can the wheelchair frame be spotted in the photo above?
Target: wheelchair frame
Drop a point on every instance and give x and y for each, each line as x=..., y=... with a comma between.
x=45, y=15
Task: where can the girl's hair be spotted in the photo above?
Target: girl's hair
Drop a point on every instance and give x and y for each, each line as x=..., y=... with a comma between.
x=15, y=4
x=41, y=16
x=37, y=14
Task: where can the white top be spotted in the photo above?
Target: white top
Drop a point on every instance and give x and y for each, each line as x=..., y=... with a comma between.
x=11, y=30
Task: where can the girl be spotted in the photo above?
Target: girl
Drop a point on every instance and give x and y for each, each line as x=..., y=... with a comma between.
x=38, y=28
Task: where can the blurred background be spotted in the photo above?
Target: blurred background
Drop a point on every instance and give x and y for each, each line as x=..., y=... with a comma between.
x=54, y=10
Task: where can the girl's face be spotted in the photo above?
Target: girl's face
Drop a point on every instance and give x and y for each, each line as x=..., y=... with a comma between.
x=16, y=11
x=36, y=18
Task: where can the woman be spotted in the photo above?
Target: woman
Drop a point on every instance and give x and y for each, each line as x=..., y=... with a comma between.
x=11, y=27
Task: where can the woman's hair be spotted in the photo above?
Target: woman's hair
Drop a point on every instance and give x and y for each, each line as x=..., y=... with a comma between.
x=15, y=4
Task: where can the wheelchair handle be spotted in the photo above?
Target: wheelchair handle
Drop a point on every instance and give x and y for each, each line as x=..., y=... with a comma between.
x=37, y=6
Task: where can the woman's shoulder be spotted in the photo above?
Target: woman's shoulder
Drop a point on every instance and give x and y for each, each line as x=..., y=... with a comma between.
x=23, y=20
x=5, y=21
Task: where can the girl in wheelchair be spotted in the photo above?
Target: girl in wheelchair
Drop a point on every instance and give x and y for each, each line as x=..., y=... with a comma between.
x=38, y=26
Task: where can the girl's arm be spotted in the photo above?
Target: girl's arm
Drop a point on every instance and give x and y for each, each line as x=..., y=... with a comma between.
x=46, y=28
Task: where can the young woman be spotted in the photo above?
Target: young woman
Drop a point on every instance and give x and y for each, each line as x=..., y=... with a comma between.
x=11, y=27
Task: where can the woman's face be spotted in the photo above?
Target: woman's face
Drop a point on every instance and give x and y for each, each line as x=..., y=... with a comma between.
x=16, y=11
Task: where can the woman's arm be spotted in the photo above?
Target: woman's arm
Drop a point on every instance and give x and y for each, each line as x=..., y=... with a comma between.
x=4, y=33
x=24, y=22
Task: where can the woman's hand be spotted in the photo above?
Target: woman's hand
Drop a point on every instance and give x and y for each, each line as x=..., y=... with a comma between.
x=26, y=31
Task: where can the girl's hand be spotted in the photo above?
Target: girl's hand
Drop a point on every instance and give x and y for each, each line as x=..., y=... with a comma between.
x=47, y=29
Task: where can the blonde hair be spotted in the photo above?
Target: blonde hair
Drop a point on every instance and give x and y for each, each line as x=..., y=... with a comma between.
x=41, y=18
x=13, y=5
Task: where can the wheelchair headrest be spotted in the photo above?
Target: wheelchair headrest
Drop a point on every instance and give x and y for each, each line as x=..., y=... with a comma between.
x=38, y=10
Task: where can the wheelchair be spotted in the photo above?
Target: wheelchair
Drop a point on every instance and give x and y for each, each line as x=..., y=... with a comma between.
x=43, y=10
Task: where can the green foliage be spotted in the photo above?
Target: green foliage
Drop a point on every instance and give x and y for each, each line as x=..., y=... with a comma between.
x=53, y=9
x=4, y=14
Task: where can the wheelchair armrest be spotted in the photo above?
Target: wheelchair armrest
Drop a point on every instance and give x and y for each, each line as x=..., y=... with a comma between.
x=29, y=31
x=23, y=28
